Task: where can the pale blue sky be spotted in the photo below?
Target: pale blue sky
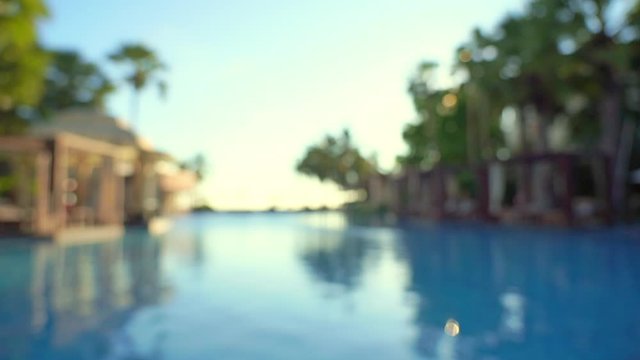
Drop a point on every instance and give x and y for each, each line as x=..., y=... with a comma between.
x=253, y=82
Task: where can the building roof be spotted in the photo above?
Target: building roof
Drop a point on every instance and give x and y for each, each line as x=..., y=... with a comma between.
x=91, y=123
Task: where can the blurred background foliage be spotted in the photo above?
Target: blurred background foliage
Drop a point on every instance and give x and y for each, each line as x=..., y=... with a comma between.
x=559, y=76
x=337, y=159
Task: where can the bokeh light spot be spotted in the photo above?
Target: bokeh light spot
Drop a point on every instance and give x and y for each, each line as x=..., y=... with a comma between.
x=465, y=56
x=452, y=328
x=449, y=100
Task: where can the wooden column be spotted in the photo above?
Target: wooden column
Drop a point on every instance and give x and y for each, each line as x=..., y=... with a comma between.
x=119, y=196
x=441, y=191
x=83, y=171
x=567, y=199
x=483, y=191
x=150, y=200
x=60, y=176
x=43, y=197
x=22, y=190
x=136, y=195
x=608, y=200
x=108, y=201
x=524, y=190
x=423, y=199
x=413, y=191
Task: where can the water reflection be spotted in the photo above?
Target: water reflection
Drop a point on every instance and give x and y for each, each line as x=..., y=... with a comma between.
x=265, y=287
x=64, y=302
x=188, y=246
x=338, y=258
x=496, y=293
x=513, y=315
x=542, y=293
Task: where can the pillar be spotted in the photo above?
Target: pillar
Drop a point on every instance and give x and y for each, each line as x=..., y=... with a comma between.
x=43, y=196
x=22, y=189
x=60, y=175
x=567, y=198
x=107, y=200
x=483, y=191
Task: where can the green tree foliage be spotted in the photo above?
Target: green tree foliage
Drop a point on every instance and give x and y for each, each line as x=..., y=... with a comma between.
x=557, y=60
x=336, y=159
x=439, y=133
x=72, y=81
x=143, y=69
x=22, y=62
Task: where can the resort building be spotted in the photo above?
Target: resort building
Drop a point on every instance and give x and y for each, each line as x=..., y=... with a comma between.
x=552, y=188
x=86, y=170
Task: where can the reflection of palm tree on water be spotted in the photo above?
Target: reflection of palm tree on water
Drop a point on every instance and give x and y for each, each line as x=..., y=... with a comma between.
x=337, y=260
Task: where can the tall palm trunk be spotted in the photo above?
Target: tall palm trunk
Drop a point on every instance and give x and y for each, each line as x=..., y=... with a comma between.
x=524, y=175
x=472, y=125
x=610, y=121
x=541, y=172
x=610, y=112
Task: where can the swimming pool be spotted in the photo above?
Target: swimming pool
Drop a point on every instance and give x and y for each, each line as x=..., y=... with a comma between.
x=312, y=286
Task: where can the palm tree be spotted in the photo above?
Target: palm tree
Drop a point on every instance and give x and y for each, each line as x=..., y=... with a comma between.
x=144, y=68
x=596, y=67
x=487, y=90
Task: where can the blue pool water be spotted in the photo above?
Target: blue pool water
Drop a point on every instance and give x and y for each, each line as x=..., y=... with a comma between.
x=285, y=286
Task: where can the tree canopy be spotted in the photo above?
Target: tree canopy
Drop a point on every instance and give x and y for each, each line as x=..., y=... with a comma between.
x=336, y=159
x=73, y=81
x=565, y=64
x=22, y=62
